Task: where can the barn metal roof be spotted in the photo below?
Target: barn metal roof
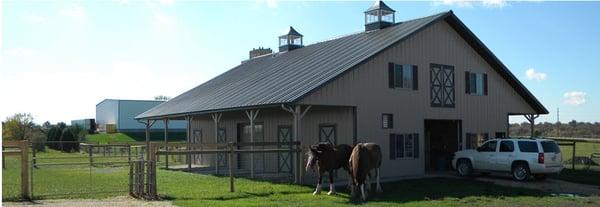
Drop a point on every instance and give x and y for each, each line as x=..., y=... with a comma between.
x=286, y=77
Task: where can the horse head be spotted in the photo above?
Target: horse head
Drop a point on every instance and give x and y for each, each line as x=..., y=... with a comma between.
x=316, y=152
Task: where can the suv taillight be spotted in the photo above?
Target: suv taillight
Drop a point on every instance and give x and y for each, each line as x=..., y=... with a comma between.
x=541, y=158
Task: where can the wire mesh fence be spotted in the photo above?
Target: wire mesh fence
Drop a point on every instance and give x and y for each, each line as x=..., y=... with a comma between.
x=11, y=173
x=580, y=155
x=68, y=169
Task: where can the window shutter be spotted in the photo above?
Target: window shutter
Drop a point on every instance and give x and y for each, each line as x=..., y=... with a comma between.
x=467, y=82
x=391, y=75
x=391, y=121
x=415, y=73
x=485, y=84
x=399, y=145
x=392, y=146
x=416, y=145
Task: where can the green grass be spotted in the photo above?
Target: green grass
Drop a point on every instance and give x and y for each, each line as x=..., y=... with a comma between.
x=582, y=149
x=133, y=137
x=186, y=189
x=106, y=138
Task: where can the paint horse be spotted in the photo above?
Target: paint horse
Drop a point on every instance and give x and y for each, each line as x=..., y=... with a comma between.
x=364, y=158
x=324, y=157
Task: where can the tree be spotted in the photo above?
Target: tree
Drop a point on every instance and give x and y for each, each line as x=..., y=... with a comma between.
x=69, y=140
x=161, y=98
x=18, y=127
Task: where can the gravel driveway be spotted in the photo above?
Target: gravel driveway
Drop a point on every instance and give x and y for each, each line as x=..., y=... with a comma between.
x=117, y=201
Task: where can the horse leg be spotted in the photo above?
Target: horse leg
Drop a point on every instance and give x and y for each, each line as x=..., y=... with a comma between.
x=362, y=191
x=379, y=190
x=331, y=186
x=318, y=189
x=368, y=181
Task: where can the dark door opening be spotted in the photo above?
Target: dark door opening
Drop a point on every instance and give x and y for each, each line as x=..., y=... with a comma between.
x=442, y=138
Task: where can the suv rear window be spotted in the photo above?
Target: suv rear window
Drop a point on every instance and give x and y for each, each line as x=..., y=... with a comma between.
x=526, y=146
x=550, y=146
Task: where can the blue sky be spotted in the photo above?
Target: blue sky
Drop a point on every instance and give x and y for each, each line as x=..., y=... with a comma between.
x=60, y=58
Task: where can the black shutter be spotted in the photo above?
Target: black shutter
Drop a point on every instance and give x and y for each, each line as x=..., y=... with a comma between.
x=391, y=121
x=399, y=145
x=467, y=82
x=415, y=73
x=416, y=145
x=391, y=75
x=485, y=84
x=392, y=146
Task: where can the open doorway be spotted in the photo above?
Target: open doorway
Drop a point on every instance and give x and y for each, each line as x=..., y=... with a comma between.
x=442, y=138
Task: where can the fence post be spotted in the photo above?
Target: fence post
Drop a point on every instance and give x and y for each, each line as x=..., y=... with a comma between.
x=128, y=153
x=90, y=153
x=230, y=163
x=573, y=157
x=24, y=170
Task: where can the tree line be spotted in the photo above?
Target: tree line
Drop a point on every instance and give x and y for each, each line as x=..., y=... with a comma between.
x=547, y=129
x=59, y=136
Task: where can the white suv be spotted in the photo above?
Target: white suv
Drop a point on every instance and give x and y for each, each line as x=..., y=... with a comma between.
x=520, y=157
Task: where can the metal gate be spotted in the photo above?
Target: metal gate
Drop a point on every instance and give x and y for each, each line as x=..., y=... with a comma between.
x=63, y=169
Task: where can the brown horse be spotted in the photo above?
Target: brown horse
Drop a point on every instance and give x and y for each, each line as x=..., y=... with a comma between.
x=364, y=158
x=324, y=157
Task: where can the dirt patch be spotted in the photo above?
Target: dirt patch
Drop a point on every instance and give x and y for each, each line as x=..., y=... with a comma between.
x=549, y=185
x=117, y=201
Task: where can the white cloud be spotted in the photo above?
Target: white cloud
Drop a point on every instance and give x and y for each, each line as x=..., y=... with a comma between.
x=73, y=11
x=167, y=2
x=272, y=3
x=18, y=52
x=574, y=98
x=471, y=3
x=494, y=3
x=34, y=18
x=533, y=75
x=458, y=3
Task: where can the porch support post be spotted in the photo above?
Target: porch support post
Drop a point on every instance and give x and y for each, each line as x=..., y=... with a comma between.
x=166, y=120
x=252, y=116
x=148, y=124
x=189, y=141
x=216, y=118
x=531, y=118
x=297, y=114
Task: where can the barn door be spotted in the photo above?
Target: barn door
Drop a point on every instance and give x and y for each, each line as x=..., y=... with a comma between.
x=328, y=133
x=442, y=85
x=284, y=160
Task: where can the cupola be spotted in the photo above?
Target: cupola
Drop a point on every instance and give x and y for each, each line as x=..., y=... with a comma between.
x=379, y=16
x=290, y=41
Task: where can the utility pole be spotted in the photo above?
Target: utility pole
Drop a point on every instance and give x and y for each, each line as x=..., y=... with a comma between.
x=558, y=122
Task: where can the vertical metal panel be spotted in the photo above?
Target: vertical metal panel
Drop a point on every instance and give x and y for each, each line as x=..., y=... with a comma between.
x=366, y=88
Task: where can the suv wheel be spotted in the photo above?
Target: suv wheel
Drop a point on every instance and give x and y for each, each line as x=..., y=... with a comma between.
x=464, y=167
x=520, y=171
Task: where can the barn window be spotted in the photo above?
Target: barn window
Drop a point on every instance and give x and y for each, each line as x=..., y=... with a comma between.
x=475, y=140
x=404, y=146
x=387, y=121
x=403, y=76
x=476, y=83
x=442, y=85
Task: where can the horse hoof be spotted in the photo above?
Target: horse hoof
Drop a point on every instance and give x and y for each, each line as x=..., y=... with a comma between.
x=331, y=193
x=316, y=192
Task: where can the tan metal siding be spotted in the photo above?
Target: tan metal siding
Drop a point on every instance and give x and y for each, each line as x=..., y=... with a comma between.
x=342, y=117
x=366, y=87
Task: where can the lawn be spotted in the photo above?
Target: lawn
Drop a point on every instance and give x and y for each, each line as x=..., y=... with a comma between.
x=133, y=137
x=186, y=189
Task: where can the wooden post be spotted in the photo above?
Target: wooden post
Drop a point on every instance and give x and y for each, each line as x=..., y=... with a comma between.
x=216, y=118
x=573, y=157
x=166, y=143
x=24, y=170
x=252, y=116
x=129, y=153
x=297, y=114
x=230, y=164
x=189, y=140
x=90, y=153
x=531, y=118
